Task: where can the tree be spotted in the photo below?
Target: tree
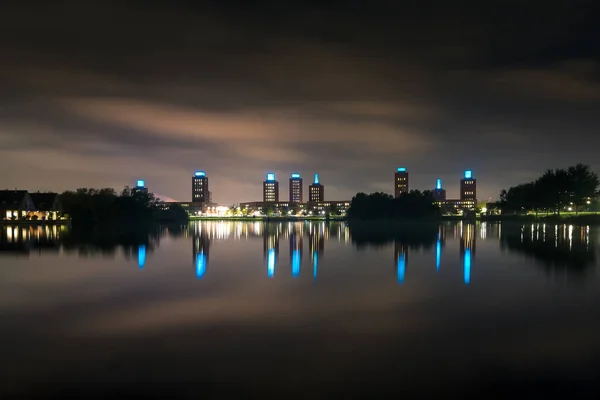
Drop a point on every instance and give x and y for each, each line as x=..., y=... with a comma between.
x=583, y=184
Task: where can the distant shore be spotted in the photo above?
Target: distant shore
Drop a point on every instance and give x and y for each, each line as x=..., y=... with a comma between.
x=38, y=222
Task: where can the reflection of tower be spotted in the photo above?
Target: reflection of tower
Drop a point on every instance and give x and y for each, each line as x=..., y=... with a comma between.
x=439, y=245
x=467, y=249
x=400, y=260
x=296, y=252
x=201, y=248
x=316, y=238
x=141, y=255
x=270, y=248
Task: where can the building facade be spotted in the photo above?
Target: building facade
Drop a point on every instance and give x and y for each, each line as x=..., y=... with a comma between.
x=200, y=192
x=400, y=182
x=295, y=188
x=316, y=191
x=270, y=189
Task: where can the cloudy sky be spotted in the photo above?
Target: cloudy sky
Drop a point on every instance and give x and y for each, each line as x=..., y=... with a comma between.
x=101, y=93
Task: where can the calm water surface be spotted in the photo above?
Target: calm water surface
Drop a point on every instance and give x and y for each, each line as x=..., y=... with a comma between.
x=312, y=310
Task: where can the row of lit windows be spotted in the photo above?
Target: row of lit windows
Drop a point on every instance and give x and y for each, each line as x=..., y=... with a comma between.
x=469, y=182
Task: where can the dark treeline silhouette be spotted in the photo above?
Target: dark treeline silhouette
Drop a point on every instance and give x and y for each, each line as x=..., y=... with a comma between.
x=96, y=206
x=382, y=206
x=552, y=191
x=414, y=236
x=554, y=247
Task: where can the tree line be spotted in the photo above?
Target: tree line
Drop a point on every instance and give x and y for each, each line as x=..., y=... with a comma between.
x=94, y=206
x=556, y=189
x=377, y=206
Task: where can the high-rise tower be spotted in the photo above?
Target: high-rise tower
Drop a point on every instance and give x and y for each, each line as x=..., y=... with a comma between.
x=295, y=188
x=468, y=190
x=200, y=192
x=400, y=182
x=439, y=194
x=270, y=189
x=316, y=191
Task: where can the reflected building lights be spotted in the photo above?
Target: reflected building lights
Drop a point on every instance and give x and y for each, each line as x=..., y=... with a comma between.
x=438, y=254
x=200, y=264
x=401, y=268
x=271, y=263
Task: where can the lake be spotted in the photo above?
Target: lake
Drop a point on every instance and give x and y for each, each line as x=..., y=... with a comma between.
x=300, y=310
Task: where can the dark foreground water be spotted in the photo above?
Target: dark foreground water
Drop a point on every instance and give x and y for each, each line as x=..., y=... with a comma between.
x=300, y=310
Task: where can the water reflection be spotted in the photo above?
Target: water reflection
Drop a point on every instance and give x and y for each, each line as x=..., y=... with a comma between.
x=566, y=248
x=556, y=248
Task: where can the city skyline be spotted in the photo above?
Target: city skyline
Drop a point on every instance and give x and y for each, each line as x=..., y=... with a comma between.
x=247, y=92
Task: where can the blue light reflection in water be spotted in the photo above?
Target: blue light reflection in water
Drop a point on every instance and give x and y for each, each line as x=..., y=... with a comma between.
x=401, y=268
x=467, y=266
x=200, y=264
x=271, y=263
x=296, y=263
x=141, y=256
x=438, y=255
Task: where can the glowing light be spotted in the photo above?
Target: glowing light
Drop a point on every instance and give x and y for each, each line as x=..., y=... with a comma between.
x=315, y=265
x=438, y=255
x=295, y=175
x=467, y=266
x=270, y=176
x=401, y=268
x=316, y=178
x=401, y=169
x=296, y=263
x=271, y=263
x=468, y=174
x=200, y=264
x=140, y=183
x=200, y=173
x=483, y=210
x=141, y=256
x=438, y=184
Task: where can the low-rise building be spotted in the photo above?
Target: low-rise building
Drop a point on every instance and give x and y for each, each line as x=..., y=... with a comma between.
x=48, y=206
x=15, y=204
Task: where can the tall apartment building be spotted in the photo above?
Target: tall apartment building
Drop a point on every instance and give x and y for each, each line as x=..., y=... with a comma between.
x=270, y=189
x=400, y=182
x=295, y=188
x=200, y=192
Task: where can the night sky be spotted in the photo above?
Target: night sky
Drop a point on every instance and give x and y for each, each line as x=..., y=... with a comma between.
x=99, y=94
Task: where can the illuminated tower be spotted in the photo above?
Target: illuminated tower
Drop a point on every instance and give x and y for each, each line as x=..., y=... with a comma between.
x=316, y=191
x=467, y=249
x=439, y=194
x=270, y=189
x=468, y=190
x=200, y=191
x=140, y=186
x=295, y=188
x=400, y=182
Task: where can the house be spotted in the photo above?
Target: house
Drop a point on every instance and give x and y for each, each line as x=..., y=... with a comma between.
x=47, y=206
x=15, y=204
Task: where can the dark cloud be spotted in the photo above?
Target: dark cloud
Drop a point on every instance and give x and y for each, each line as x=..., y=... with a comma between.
x=348, y=89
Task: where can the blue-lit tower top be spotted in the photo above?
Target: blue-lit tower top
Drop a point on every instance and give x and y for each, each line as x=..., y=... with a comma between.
x=295, y=175
x=140, y=183
x=401, y=169
x=270, y=177
x=316, y=180
x=200, y=173
x=438, y=184
x=468, y=174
